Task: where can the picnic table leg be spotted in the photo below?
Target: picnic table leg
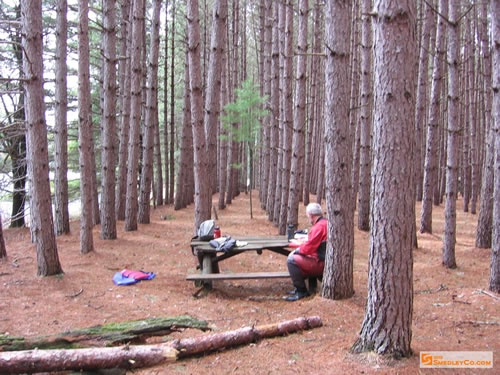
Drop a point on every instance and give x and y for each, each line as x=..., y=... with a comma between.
x=207, y=268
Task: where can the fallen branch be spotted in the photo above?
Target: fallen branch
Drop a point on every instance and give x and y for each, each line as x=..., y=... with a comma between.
x=478, y=322
x=76, y=294
x=32, y=361
x=489, y=294
x=112, y=334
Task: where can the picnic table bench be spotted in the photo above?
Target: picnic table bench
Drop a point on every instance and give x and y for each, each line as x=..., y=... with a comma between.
x=209, y=258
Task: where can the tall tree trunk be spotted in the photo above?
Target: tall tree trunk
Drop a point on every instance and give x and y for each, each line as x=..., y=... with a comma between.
x=38, y=158
x=202, y=195
x=338, y=271
x=299, y=118
x=213, y=90
x=158, y=184
x=108, y=219
x=135, y=110
x=287, y=99
x=453, y=137
x=495, y=246
x=431, y=154
x=365, y=117
x=151, y=110
x=172, y=107
x=223, y=138
x=3, y=250
x=355, y=99
x=61, y=125
x=274, y=142
x=185, y=165
x=485, y=220
x=125, y=102
x=314, y=82
x=423, y=73
x=165, y=106
x=85, y=130
x=387, y=324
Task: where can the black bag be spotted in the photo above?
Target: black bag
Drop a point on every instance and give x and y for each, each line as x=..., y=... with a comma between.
x=322, y=251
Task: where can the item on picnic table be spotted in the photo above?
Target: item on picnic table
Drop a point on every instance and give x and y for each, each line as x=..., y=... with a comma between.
x=224, y=244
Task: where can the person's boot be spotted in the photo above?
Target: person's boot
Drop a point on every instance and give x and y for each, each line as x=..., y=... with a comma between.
x=299, y=294
x=313, y=284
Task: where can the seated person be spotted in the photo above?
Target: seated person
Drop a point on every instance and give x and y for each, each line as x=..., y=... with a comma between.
x=304, y=262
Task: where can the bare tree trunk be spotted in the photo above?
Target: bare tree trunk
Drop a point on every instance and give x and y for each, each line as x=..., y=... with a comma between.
x=485, y=220
x=202, y=195
x=166, y=105
x=299, y=118
x=453, y=138
x=213, y=90
x=3, y=250
x=172, y=107
x=355, y=125
x=495, y=245
x=423, y=73
x=338, y=272
x=108, y=219
x=85, y=131
x=185, y=166
x=223, y=138
x=61, y=196
x=274, y=142
x=125, y=102
x=365, y=117
x=149, y=126
x=431, y=155
x=287, y=116
x=42, y=225
x=157, y=158
x=387, y=324
x=135, y=109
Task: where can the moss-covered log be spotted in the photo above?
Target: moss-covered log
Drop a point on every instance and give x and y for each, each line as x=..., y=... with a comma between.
x=136, y=356
x=136, y=331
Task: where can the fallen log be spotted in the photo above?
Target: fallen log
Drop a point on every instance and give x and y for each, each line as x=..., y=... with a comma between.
x=32, y=361
x=204, y=344
x=112, y=334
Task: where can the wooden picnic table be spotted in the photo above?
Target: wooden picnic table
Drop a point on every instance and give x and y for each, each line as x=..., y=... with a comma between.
x=209, y=258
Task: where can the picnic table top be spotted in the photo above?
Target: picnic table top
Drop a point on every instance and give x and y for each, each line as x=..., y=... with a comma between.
x=253, y=243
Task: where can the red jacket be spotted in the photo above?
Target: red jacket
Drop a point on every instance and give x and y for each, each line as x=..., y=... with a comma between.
x=316, y=235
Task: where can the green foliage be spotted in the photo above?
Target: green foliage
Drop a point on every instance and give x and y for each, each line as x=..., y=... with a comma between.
x=246, y=112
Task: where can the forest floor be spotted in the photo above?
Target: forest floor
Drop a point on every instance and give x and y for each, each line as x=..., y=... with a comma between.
x=450, y=311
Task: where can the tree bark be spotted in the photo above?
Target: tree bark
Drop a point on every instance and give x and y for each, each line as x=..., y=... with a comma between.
x=202, y=195
x=125, y=102
x=299, y=118
x=450, y=239
x=136, y=110
x=485, y=219
x=85, y=130
x=495, y=246
x=338, y=272
x=149, y=126
x=3, y=249
x=431, y=154
x=61, y=125
x=42, y=224
x=287, y=99
x=365, y=118
x=213, y=90
x=386, y=328
x=108, y=152
x=275, y=110
x=423, y=73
